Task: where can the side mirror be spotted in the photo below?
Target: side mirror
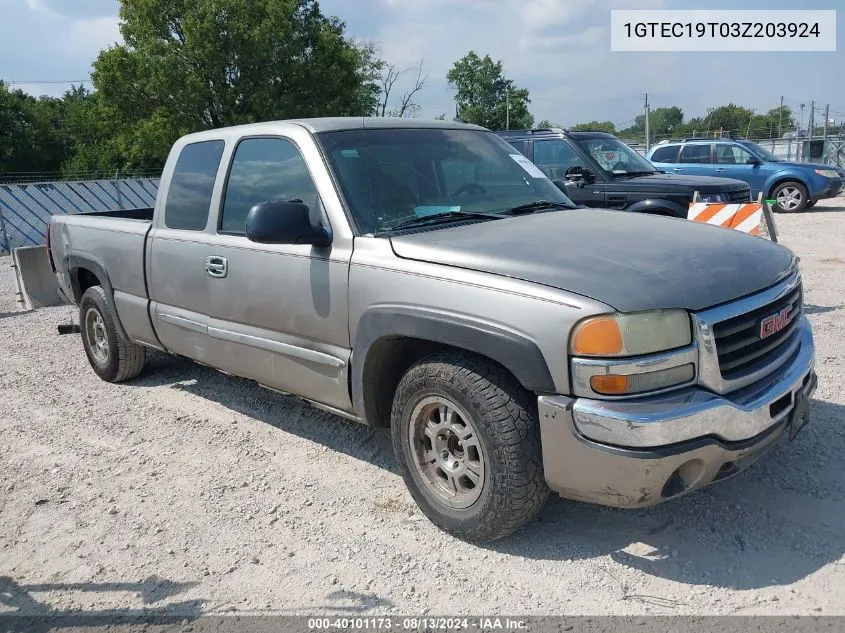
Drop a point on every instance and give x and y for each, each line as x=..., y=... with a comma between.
x=560, y=184
x=753, y=161
x=278, y=222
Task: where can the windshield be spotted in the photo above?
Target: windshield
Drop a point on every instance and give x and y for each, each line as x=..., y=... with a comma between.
x=762, y=152
x=614, y=156
x=391, y=176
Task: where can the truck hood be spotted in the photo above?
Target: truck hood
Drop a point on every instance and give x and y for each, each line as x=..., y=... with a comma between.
x=626, y=260
x=686, y=183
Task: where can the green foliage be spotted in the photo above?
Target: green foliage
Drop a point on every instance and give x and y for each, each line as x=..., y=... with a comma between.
x=30, y=140
x=545, y=123
x=595, y=126
x=189, y=65
x=739, y=121
x=483, y=93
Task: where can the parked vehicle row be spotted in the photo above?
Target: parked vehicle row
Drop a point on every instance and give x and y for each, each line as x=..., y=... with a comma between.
x=428, y=278
x=793, y=186
x=597, y=169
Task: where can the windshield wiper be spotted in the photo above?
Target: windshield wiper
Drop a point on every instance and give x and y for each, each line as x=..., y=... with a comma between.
x=538, y=205
x=438, y=218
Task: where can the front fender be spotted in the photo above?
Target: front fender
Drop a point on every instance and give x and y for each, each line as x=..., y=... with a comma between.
x=808, y=180
x=656, y=205
x=516, y=353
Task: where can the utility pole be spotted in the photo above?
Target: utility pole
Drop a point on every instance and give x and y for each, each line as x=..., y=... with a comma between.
x=812, y=124
x=748, y=129
x=647, y=135
x=801, y=122
x=780, y=119
x=824, y=133
x=508, y=109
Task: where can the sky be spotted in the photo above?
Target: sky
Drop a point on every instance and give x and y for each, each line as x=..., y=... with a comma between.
x=558, y=49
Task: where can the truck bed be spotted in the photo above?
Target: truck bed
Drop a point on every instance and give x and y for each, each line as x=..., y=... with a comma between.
x=145, y=214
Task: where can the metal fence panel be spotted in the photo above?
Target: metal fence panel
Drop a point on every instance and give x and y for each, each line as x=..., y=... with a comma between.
x=26, y=209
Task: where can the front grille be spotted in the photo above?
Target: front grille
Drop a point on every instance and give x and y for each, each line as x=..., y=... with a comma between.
x=738, y=343
x=742, y=195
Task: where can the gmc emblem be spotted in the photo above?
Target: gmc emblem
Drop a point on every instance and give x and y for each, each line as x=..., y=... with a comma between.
x=776, y=322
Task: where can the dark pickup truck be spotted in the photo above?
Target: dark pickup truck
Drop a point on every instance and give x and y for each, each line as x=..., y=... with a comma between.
x=596, y=169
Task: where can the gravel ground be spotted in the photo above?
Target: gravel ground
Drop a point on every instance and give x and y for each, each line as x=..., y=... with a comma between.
x=187, y=491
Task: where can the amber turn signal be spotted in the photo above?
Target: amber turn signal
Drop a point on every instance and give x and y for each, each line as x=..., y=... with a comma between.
x=599, y=336
x=609, y=384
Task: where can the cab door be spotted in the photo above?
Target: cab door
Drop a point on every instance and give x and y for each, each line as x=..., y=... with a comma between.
x=695, y=159
x=278, y=313
x=177, y=251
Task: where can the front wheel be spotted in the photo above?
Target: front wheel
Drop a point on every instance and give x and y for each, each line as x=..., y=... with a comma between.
x=467, y=439
x=811, y=204
x=112, y=358
x=790, y=197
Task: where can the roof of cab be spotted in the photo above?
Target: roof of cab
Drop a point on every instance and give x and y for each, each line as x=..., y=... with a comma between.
x=336, y=124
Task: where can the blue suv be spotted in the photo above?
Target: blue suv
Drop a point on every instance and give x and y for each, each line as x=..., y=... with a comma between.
x=794, y=186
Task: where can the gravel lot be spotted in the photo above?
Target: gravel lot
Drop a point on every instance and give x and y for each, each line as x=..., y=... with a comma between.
x=189, y=492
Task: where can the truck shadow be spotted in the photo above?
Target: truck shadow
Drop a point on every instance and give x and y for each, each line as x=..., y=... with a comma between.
x=23, y=611
x=776, y=523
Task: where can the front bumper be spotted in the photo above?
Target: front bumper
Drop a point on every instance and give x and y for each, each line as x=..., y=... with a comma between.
x=645, y=451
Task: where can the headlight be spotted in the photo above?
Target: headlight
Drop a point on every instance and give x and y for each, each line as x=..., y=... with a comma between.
x=631, y=334
x=827, y=173
x=712, y=197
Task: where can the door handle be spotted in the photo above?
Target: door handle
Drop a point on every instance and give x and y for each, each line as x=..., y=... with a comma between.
x=216, y=266
x=720, y=169
x=678, y=169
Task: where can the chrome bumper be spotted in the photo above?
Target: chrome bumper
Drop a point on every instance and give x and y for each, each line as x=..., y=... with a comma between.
x=694, y=412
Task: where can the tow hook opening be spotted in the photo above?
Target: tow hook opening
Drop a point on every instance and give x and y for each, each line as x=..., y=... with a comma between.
x=687, y=476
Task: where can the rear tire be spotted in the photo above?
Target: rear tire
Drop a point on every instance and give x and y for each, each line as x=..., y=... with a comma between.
x=790, y=197
x=112, y=358
x=467, y=439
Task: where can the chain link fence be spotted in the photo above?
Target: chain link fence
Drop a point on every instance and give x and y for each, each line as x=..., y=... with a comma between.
x=25, y=209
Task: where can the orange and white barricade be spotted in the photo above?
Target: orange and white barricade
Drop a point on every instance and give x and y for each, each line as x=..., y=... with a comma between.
x=754, y=218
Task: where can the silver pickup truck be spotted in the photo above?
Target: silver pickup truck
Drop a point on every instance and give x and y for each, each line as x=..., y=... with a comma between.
x=427, y=278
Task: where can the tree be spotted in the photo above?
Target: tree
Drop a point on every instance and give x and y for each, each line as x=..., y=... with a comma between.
x=545, y=123
x=663, y=122
x=188, y=65
x=30, y=133
x=486, y=97
x=596, y=126
x=389, y=74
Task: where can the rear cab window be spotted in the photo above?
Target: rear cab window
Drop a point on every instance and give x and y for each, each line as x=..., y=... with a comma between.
x=192, y=185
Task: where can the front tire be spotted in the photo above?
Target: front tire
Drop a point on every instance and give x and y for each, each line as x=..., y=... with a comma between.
x=112, y=358
x=467, y=439
x=790, y=197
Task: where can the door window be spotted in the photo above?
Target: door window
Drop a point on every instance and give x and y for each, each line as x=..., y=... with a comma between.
x=732, y=155
x=668, y=154
x=698, y=153
x=189, y=193
x=554, y=158
x=263, y=170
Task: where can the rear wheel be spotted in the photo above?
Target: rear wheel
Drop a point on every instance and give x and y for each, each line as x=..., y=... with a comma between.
x=790, y=197
x=112, y=358
x=467, y=439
